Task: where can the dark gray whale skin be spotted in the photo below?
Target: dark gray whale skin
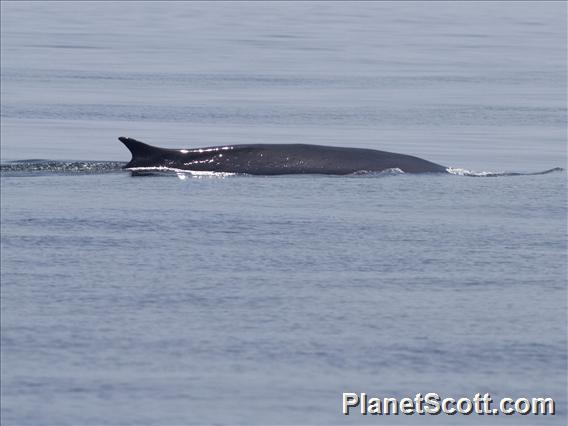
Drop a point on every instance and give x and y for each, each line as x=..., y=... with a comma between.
x=275, y=159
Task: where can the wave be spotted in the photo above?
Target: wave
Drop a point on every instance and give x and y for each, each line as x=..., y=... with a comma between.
x=387, y=172
x=172, y=171
x=465, y=172
x=184, y=174
x=23, y=167
x=36, y=166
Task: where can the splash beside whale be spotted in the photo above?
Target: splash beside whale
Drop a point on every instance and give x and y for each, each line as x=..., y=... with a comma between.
x=275, y=159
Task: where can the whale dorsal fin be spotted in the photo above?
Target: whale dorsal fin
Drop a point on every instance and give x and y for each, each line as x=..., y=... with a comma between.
x=142, y=153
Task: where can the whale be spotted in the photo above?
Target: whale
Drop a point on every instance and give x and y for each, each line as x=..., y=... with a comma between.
x=274, y=159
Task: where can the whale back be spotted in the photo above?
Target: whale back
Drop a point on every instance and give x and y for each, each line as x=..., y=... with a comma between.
x=275, y=159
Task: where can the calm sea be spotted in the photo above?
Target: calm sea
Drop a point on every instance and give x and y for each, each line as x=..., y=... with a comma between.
x=259, y=300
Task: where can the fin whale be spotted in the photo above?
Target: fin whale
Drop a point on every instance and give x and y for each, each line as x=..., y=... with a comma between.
x=275, y=159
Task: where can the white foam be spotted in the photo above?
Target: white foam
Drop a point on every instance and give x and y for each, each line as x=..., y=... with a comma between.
x=181, y=173
x=465, y=172
x=386, y=172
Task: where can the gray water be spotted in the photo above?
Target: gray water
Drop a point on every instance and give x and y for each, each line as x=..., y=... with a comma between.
x=259, y=300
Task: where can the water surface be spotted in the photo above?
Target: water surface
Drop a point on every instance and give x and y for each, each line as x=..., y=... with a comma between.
x=259, y=300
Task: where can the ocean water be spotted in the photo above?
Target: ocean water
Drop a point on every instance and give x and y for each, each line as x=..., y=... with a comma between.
x=260, y=300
